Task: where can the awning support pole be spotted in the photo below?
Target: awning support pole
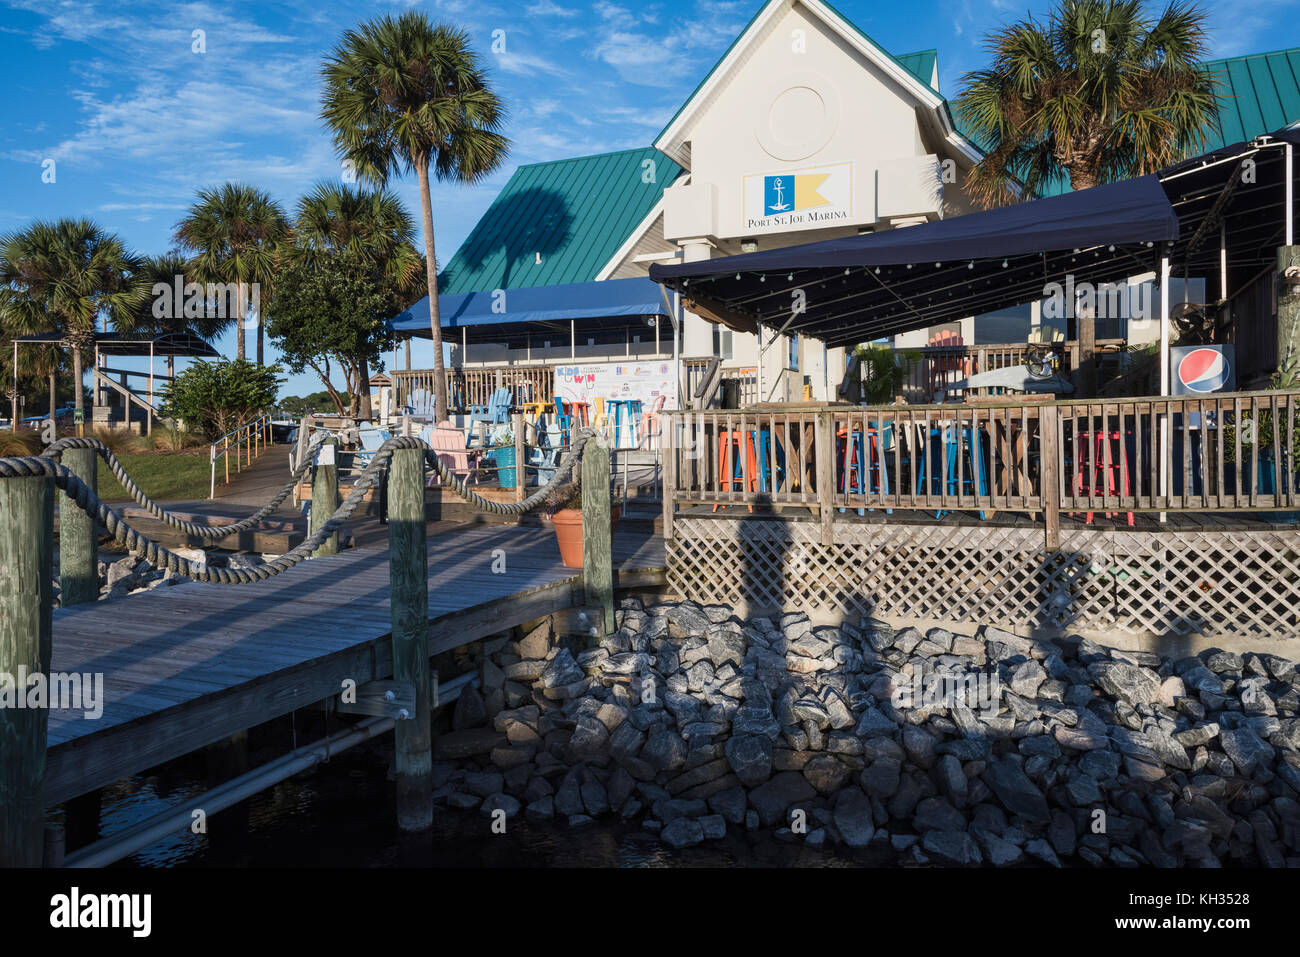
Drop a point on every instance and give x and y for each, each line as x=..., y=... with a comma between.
x=1290, y=195
x=1164, y=374
x=13, y=424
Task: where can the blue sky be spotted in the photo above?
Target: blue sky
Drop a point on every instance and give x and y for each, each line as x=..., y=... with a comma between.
x=136, y=121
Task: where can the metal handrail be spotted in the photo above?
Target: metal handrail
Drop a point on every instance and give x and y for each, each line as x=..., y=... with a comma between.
x=250, y=437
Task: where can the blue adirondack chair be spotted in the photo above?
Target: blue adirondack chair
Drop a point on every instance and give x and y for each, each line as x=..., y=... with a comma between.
x=546, y=456
x=496, y=412
x=371, y=439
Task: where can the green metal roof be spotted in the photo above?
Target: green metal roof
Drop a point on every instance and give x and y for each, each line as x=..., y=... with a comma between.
x=573, y=214
x=1259, y=93
x=921, y=65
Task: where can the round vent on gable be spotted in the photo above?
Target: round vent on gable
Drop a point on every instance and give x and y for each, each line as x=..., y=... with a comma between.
x=796, y=115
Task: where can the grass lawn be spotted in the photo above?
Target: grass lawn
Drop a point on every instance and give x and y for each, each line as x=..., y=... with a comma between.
x=162, y=475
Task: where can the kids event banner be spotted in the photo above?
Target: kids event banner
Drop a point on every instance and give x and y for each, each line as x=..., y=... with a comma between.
x=645, y=380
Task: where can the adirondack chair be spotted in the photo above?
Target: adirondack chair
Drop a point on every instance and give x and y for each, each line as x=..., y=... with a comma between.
x=421, y=404
x=496, y=412
x=449, y=442
x=370, y=440
x=546, y=456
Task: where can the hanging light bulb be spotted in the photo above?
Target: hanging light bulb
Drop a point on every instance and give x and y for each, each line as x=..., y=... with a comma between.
x=1004, y=264
x=971, y=265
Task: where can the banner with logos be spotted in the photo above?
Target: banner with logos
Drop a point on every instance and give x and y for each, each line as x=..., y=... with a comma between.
x=644, y=379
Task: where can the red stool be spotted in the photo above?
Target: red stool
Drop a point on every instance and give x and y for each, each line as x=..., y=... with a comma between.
x=1097, y=442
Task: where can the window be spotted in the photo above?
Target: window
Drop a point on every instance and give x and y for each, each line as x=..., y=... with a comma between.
x=722, y=342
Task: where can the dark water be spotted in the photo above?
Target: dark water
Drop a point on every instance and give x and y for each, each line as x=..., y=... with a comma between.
x=342, y=815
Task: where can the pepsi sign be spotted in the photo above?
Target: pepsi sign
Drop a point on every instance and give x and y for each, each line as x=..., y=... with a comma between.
x=1199, y=370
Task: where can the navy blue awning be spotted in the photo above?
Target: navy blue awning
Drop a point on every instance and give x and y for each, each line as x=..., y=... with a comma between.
x=501, y=314
x=871, y=285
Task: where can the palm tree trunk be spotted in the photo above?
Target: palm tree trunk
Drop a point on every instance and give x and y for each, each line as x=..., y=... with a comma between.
x=239, y=323
x=79, y=395
x=259, y=336
x=431, y=274
x=1085, y=377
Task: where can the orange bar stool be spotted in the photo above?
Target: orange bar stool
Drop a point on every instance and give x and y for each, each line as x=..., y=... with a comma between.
x=729, y=463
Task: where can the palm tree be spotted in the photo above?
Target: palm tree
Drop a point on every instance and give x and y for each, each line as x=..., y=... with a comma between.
x=404, y=94
x=1097, y=94
x=234, y=233
x=369, y=227
x=62, y=277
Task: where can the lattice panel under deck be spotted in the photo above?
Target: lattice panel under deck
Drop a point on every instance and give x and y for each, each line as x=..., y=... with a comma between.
x=1163, y=583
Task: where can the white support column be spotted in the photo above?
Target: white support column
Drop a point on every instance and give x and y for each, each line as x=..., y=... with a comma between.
x=1290, y=195
x=13, y=425
x=1164, y=374
x=573, y=339
x=1223, y=262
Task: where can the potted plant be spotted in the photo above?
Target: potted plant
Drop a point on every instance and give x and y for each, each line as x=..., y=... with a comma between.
x=503, y=454
x=564, y=506
x=883, y=373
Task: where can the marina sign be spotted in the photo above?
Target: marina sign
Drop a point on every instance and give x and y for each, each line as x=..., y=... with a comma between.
x=799, y=199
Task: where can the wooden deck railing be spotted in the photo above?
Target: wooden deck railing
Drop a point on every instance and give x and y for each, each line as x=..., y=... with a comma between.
x=940, y=367
x=1223, y=453
x=469, y=387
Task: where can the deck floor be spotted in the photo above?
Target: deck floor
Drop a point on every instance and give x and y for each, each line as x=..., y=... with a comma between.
x=184, y=665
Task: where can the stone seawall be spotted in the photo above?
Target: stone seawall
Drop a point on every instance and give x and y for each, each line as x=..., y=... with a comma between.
x=944, y=749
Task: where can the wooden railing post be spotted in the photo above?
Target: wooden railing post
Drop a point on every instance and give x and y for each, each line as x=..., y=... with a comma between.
x=325, y=495
x=26, y=597
x=409, y=585
x=597, y=544
x=824, y=447
x=668, y=450
x=78, y=543
x=521, y=448
x=1049, y=424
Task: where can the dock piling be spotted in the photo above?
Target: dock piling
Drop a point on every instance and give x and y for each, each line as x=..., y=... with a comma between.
x=26, y=597
x=325, y=495
x=409, y=580
x=597, y=559
x=78, y=543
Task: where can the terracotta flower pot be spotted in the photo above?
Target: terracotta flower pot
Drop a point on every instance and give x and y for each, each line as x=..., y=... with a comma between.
x=568, y=532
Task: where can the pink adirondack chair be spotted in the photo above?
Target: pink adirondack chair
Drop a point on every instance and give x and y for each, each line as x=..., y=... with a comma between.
x=449, y=442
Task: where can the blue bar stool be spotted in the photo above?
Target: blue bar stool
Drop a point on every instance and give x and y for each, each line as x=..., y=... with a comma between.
x=975, y=481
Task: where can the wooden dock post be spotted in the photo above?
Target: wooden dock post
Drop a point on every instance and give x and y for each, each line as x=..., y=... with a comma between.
x=325, y=495
x=824, y=447
x=597, y=534
x=409, y=580
x=26, y=597
x=521, y=477
x=78, y=543
x=1049, y=425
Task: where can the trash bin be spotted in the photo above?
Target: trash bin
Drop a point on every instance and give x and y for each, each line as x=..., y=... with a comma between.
x=730, y=398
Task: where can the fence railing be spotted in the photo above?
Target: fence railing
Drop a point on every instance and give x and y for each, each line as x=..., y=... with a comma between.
x=1226, y=452
x=939, y=368
x=695, y=370
x=473, y=387
x=247, y=442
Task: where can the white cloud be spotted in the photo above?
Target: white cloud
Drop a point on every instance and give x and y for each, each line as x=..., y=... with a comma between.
x=548, y=9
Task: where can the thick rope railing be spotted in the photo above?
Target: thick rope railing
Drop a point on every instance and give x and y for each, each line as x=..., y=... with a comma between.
x=194, y=529
x=160, y=557
x=562, y=473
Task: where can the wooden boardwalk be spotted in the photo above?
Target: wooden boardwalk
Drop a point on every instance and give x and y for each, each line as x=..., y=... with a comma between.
x=187, y=665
